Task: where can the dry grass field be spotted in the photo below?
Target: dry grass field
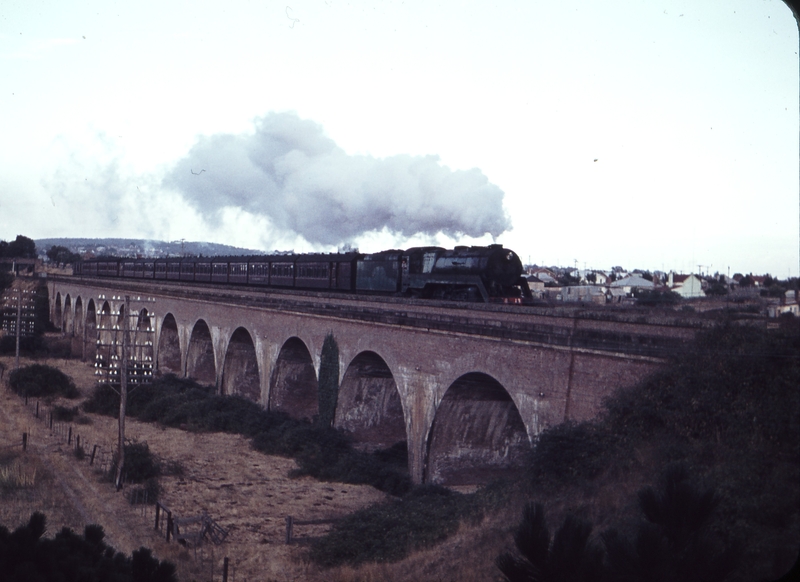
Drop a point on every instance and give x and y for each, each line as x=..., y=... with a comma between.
x=246, y=492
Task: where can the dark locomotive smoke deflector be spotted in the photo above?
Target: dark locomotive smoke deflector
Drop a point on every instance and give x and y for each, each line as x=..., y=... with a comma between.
x=449, y=281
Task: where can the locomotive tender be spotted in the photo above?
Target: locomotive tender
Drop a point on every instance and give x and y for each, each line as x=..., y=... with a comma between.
x=474, y=273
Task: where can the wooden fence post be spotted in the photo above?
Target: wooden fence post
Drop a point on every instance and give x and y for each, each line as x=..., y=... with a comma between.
x=289, y=523
x=24, y=441
x=169, y=524
x=37, y=409
x=69, y=438
x=225, y=569
x=158, y=512
x=94, y=450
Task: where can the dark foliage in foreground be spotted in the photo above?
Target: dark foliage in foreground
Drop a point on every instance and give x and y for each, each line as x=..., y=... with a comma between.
x=728, y=409
x=38, y=380
x=27, y=557
x=570, y=556
x=321, y=452
x=673, y=543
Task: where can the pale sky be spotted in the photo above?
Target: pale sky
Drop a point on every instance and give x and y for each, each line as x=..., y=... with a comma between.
x=658, y=135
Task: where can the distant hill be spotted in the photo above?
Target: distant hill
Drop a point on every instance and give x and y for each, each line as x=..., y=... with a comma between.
x=140, y=247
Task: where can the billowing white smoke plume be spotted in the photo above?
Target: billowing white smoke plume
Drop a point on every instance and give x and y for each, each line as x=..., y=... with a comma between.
x=289, y=172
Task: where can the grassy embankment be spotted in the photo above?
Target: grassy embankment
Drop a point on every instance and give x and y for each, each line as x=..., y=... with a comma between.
x=727, y=409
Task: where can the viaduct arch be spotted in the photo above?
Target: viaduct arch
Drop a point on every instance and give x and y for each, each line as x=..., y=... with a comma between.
x=465, y=398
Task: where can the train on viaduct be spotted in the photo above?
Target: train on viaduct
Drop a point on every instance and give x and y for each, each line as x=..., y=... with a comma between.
x=467, y=386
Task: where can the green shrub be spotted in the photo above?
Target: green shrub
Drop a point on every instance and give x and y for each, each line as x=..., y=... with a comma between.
x=64, y=414
x=38, y=380
x=570, y=453
x=27, y=345
x=390, y=531
x=140, y=464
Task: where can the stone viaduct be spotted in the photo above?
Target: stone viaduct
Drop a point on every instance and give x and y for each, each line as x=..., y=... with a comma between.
x=466, y=386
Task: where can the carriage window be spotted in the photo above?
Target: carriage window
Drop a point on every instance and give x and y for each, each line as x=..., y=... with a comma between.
x=258, y=269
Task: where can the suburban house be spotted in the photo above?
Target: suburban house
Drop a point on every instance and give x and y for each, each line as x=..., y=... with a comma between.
x=631, y=282
x=600, y=278
x=583, y=294
x=544, y=275
x=685, y=285
x=535, y=285
x=788, y=304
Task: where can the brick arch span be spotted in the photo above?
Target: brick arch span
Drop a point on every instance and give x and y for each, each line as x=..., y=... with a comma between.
x=90, y=330
x=477, y=433
x=58, y=318
x=78, y=319
x=293, y=382
x=142, y=342
x=105, y=324
x=200, y=361
x=105, y=348
x=240, y=373
x=369, y=406
x=169, y=347
x=66, y=325
x=78, y=326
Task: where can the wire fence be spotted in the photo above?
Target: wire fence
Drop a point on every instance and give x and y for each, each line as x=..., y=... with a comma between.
x=101, y=456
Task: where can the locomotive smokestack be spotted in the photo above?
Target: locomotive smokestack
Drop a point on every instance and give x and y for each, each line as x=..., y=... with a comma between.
x=290, y=173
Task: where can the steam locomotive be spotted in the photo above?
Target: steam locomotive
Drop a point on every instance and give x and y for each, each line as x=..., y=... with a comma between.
x=480, y=274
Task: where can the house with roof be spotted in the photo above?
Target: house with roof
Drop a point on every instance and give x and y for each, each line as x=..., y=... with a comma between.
x=544, y=275
x=583, y=294
x=686, y=286
x=593, y=277
x=535, y=285
x=788, y=304
x=631, y=282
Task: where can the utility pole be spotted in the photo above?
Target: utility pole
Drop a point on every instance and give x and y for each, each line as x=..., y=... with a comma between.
x=115, y=357
x=123, y=394
x=19, y=321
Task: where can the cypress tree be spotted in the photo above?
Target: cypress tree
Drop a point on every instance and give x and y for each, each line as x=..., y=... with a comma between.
x=328, y=381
